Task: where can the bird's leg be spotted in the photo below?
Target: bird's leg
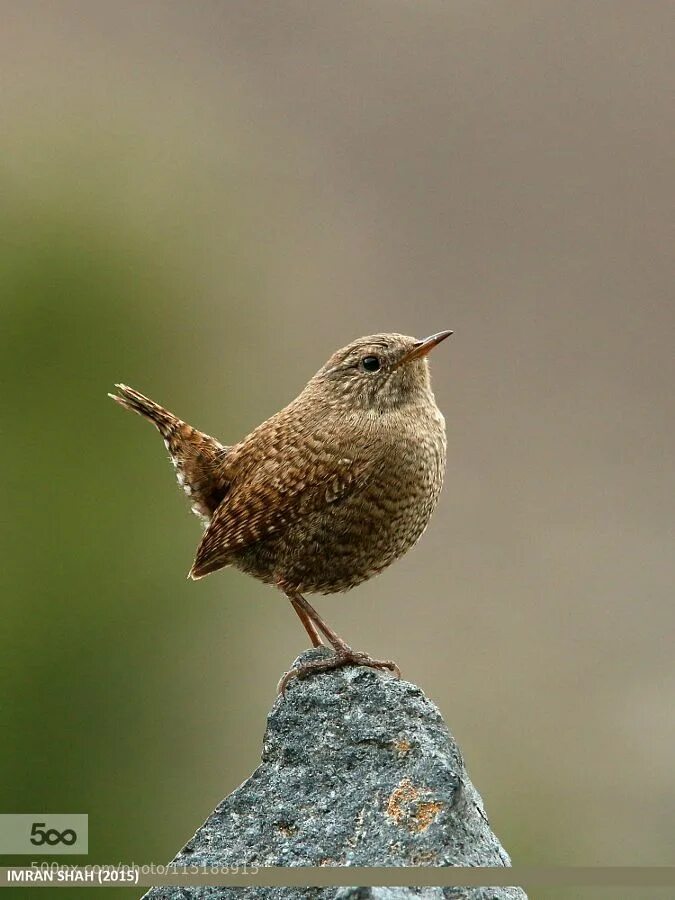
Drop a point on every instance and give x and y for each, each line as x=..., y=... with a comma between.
x=310, y=627
x=333, y=639
x=344, y=654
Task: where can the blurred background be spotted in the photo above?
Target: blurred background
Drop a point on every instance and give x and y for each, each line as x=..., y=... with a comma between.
x=204, y=201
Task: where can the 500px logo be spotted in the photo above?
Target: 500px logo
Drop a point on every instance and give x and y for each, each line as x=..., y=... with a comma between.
x=50, y=834
x=52, y=837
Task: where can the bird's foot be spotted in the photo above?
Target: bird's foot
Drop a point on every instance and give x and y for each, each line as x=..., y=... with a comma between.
x=340, y=658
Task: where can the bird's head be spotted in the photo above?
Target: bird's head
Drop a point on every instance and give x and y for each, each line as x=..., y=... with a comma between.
x=379, y=372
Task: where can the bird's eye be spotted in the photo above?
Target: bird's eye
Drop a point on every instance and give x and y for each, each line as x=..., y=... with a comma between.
x=370, y=363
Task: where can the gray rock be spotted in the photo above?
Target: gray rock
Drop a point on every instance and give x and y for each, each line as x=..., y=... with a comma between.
x=358, y=769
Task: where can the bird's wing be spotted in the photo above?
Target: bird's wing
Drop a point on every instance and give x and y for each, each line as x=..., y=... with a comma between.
x=274, y=497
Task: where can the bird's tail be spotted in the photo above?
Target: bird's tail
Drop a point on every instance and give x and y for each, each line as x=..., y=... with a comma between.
x=197, y=458
x=164, y=421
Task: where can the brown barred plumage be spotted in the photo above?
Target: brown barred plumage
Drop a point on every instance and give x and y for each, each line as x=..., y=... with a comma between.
x=327, y=492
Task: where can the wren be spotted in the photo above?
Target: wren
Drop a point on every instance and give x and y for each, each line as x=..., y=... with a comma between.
x=326, y=493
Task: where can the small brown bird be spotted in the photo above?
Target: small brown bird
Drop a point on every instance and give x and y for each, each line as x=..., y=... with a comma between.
x=326, y=493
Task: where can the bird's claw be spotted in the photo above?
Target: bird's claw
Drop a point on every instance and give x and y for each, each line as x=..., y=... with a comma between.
x=339, y=660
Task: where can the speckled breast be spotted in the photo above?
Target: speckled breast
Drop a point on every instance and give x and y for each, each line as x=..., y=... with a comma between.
x=361, y=534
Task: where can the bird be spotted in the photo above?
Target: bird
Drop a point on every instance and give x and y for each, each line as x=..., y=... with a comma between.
x=327, y=492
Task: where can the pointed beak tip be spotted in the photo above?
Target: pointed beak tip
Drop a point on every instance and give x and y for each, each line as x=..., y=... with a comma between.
x=426, y=346
x=434, y=340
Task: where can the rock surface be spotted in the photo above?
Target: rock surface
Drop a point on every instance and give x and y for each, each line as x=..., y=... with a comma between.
x=358, y=769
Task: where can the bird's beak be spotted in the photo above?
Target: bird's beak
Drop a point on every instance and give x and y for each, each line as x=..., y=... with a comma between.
x=421, y=348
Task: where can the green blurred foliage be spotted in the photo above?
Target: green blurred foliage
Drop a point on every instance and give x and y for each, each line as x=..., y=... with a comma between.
x=92, y=630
